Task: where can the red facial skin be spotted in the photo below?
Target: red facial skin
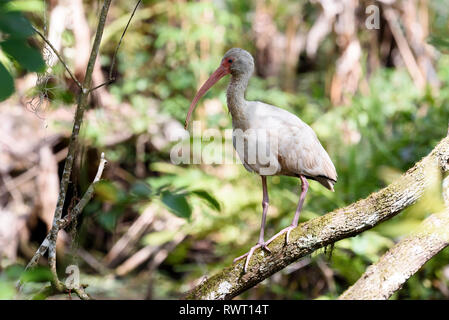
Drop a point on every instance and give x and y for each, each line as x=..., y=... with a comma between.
x=222, y=70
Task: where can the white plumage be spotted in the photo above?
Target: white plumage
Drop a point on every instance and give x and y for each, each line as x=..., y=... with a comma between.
x=297, y=150
x=269, y=140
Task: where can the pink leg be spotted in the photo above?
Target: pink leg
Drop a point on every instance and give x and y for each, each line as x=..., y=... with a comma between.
x=261, y=243
x=304, y=188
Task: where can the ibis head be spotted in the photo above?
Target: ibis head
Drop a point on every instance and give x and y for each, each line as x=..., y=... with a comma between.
x=237, y=62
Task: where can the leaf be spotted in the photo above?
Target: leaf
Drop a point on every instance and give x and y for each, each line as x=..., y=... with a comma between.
x=38, y=274
x=108, y=220
x=25, y=5
x=208, y=197
x=141, y=189
x=107, y=191
x=7, y=291
x=15, y=24
x=14, y=272
x=439, y=42
x=6, y=83
x=177, y=204
x=27, y=56
x=159, y=237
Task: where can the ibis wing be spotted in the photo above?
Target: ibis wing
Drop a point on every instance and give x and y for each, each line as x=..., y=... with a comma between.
x=303, y=154
x=299, y=150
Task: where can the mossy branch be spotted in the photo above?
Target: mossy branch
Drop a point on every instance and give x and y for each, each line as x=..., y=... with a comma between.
x=398, y=264
x=395, y=267
x=322, y=231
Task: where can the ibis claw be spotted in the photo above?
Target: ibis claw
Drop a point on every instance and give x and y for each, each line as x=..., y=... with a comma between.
x=249, y=254
x=289, y=229
x=285, y=230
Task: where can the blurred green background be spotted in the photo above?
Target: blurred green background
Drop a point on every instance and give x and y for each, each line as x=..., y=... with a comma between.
x=154, y=229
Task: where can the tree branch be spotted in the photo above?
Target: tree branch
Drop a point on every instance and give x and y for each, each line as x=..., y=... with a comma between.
x=50, y=241
x=82, y=104
x=111, y=69
x=319, y=232
x=398, y=264
x=50, y=290
x=59, y=57
x=395, y=267
x=76, y=211
x=63, y=223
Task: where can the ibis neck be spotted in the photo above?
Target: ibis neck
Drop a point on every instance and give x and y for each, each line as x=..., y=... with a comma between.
x=236, y=94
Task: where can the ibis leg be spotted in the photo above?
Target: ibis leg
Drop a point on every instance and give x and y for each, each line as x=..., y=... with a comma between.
x=302, y=197
x=261, y=243
x=264, y=209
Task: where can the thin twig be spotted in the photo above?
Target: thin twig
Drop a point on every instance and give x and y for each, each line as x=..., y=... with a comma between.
x=103, y=84
x=50, y=240
x=111, y=69
x=59, y=56
x=63, y=223
x=121, y=38
x=76, y=211
x=81, y=107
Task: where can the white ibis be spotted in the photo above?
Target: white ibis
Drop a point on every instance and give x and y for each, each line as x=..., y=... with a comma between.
x=296, y=152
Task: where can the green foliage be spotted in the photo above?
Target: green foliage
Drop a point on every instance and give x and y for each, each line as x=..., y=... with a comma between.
x=7, y=83
x=37, y=274
x=33, y=279
x=27, y=57
x=177, y=204
x=141, y=192
x=208, y=198
x=15, y=29
x=440, y=43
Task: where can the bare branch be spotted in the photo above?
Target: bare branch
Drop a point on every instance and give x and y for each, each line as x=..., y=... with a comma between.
x=82, y=104
x=102, y=85
x=76, y=211
x=322, y=231
x=63, y=223
x=59, y=57
x=395, y=267
x=111, y=70
x=50, y=240
x=121, y=38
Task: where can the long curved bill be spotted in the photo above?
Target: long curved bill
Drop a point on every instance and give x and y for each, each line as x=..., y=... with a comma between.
x=217, y=75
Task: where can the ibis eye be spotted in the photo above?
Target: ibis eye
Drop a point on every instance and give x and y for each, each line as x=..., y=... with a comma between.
x=230, y=60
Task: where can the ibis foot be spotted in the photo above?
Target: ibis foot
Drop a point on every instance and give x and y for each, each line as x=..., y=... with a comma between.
x=248, y=255
x=288, y=230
